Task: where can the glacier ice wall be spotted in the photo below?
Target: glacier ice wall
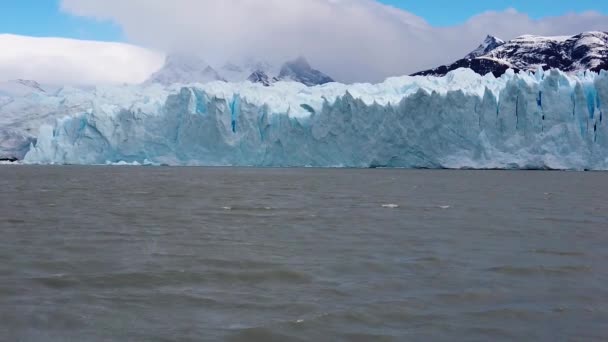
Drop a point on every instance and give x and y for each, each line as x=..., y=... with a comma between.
x=532, y=121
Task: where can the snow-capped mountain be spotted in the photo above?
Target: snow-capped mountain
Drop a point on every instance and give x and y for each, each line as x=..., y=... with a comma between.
x=184, y=69
x=20, y=87
x=489, y=44
x=188, y=69
x=239, y=72
x=571, y=54
x=259, y=76
x=299, y=70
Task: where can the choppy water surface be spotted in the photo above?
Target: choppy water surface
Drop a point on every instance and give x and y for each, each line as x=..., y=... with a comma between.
x=191, y=254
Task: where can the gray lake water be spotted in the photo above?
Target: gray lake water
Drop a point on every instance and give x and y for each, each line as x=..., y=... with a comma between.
x=205, y=254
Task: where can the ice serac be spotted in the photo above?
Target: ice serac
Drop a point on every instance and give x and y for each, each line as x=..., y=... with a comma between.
x=24, y=106
x=543, y=120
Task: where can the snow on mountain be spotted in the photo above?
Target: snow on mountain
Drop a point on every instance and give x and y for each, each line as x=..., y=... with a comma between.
x=570, y=54
x=184, y=69
x=247, y=70
x=188, y=69
x=259, y=76
x=299, y=70
x=20, y=87
x=489, y=44
x=463, y=120
x=234, y=73
x=31, y=84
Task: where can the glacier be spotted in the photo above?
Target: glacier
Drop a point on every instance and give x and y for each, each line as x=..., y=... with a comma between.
x=541, y=120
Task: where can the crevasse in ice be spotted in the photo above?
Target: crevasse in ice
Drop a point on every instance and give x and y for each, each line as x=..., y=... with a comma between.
x=463, y=120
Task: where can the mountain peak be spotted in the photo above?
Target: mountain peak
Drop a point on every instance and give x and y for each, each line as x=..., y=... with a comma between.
x=259, y=76
x=299, y=70
x=20, y=87
x=184, y=69
x=31, y=84
x=489, y=43
x=301, y=62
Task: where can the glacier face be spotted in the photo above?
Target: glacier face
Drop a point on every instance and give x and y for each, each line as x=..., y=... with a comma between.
x=542, y=120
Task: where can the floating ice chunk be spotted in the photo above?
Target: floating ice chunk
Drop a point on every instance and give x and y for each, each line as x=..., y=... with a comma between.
x=124, y=163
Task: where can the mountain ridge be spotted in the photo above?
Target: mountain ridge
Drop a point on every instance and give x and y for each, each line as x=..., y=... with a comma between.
x=571, y=54
x=192, y=69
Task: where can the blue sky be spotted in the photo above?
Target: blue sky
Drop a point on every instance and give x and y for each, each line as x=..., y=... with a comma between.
x=43, y=18
x=450, y=12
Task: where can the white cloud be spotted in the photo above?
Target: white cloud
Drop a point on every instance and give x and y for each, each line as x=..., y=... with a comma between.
x=350, y=39
x=76, y=62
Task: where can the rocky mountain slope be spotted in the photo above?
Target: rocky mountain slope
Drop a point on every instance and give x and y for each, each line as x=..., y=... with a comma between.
x=571, y=54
